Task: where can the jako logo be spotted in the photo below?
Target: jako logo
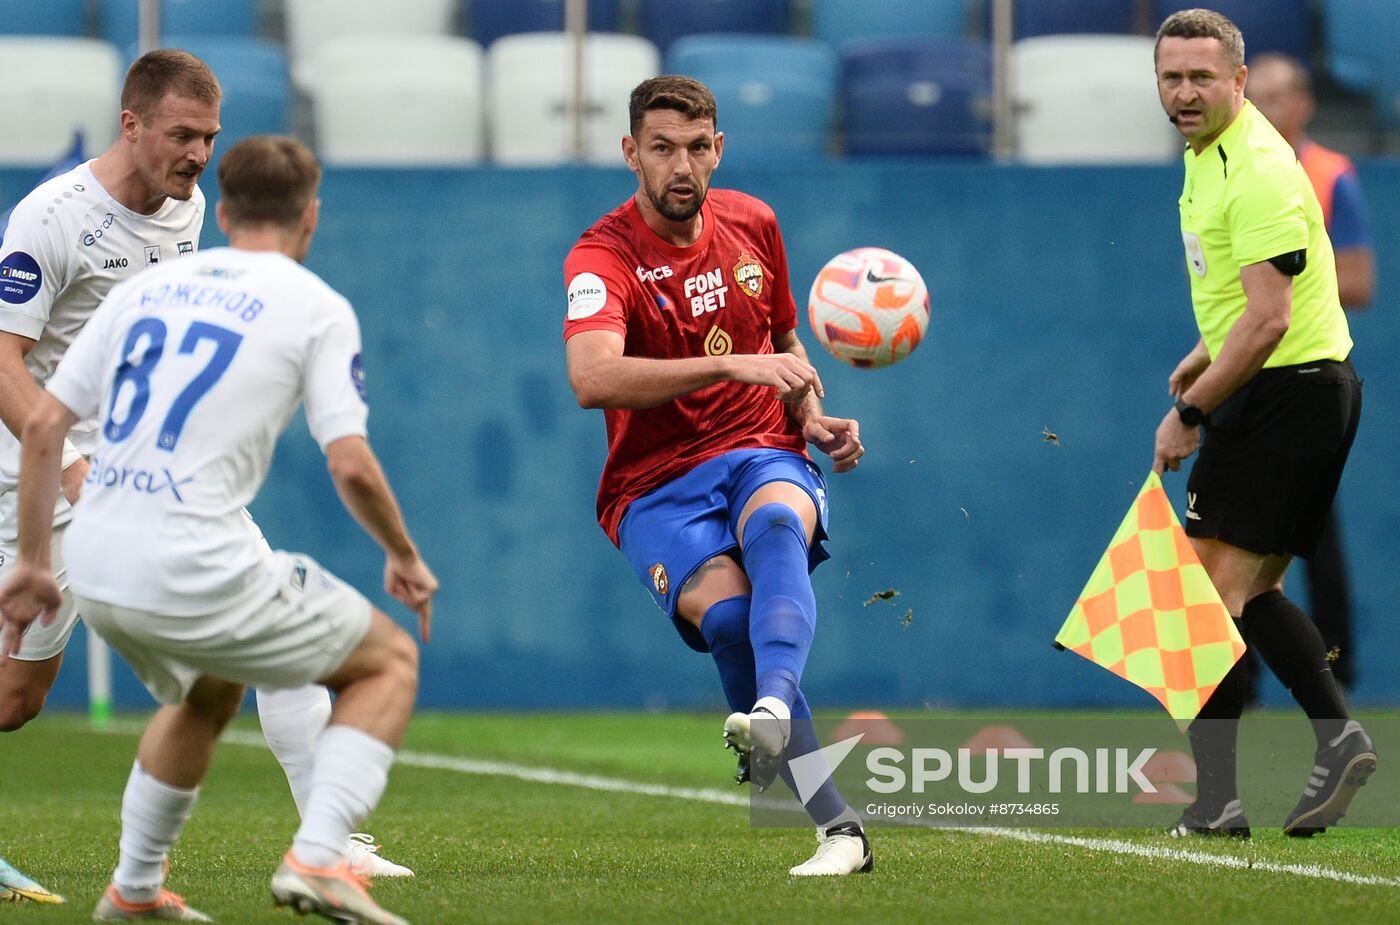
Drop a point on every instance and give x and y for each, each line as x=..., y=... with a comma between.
x=651, y=276
x=115, y=263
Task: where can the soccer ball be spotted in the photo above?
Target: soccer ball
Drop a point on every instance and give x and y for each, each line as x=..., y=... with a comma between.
x=869, y=307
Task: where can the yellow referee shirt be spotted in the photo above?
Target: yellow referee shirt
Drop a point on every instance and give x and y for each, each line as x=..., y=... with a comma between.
x=1246, y=200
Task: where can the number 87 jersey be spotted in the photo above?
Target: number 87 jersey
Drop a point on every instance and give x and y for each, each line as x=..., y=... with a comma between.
x=193, y=370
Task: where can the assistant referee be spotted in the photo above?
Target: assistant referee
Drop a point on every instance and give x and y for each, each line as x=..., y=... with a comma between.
x=1270, y=398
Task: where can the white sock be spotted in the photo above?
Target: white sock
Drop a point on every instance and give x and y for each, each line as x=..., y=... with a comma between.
x=291, y=721
x=352, y=768
x=152, y=815
x=775, y=706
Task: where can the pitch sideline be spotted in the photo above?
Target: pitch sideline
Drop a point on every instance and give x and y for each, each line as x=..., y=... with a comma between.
x=472, y=766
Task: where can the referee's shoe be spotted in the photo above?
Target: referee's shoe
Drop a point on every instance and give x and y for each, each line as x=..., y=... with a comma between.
x=1340, y=768
x=1223, y=820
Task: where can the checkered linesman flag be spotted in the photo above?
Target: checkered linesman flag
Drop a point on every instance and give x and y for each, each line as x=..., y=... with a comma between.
x=1150, y=614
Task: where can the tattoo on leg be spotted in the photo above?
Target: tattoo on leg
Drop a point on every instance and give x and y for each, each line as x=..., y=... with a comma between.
x=708, y=566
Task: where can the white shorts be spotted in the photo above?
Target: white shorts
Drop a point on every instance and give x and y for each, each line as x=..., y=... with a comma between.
x=301, y=633
x=40, y=642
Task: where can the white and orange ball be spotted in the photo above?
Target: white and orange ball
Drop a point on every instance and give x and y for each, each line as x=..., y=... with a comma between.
x=869, y=307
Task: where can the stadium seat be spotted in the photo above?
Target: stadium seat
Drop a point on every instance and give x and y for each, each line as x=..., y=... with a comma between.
x=491, y=19
x=1350, y=28
x=50, y=87
x=916, y=96
x=775, y=94
x=1358, y=57
x=841, y=21
x=528, y=80
x=1089, y=99
x=400, y=100
x=1279, y=25
x=311, y=22
x=121, y=19
x=49, y=17
x=1072, y=17
x=664, y=21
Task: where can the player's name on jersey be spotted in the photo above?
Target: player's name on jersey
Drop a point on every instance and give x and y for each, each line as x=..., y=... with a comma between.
x=233, y=301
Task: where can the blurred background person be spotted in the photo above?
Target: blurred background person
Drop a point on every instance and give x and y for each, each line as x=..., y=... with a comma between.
x=1280, y=87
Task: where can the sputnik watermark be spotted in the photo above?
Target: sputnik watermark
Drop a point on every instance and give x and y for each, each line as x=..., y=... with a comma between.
x=896, y=770
x=1114, y=770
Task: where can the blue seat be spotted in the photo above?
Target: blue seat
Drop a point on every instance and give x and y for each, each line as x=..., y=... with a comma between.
x=664, y=21
x=491, y=19
x=49, y=17
x=1279, y=25
x=775, y=94
x=1351, y=40
x=916, y=96
x=121, y=18
x=1070, y=17
x=1360, y=52
x=841, y=21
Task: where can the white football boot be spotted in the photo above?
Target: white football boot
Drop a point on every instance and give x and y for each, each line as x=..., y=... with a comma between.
x=760, y=737
x=842, y=849
x=362, y=855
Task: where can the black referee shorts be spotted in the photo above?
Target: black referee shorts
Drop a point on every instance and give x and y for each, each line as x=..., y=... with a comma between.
x=1272, y=457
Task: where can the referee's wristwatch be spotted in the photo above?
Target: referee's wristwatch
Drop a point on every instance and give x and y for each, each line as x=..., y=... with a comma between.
x=1190, y=415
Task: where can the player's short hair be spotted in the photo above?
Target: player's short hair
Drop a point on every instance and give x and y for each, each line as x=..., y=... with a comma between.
x=685, y=95
x=1203, y=24
x=168, y=70
x=1298, y=78
x=268, y=180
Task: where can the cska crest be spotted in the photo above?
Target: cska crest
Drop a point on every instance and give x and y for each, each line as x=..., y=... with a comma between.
x=659, y=579
x=748, y=273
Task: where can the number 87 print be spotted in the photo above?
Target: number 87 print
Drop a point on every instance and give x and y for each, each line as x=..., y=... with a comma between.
x=137, y=372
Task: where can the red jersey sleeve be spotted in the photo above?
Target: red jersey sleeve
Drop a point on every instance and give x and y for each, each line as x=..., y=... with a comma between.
x=599, y=288
x=784, y=309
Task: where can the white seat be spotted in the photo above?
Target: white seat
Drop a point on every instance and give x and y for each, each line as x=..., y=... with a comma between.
x=398, y=100
x=1089, y=99
x=50, y=87
x=312, y=22
x=528, y=85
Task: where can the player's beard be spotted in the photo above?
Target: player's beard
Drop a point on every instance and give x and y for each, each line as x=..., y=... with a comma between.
x=678, y=212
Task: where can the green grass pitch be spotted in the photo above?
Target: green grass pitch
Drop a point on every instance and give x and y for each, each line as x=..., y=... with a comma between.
x=495, y=848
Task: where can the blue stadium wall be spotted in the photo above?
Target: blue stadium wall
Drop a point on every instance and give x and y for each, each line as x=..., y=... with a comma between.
x=1060, y=305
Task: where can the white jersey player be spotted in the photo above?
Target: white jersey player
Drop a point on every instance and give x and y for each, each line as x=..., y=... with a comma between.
x=66, y=244
x=193, y=370
x=196, y=369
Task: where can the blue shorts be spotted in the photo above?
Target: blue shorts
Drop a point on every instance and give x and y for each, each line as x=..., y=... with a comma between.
x=670, y=532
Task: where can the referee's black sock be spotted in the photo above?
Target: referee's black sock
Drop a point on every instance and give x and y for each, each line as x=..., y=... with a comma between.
x=1213, y=736
x=1291, y=646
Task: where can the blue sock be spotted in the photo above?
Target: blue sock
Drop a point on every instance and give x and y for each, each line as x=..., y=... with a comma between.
x=725, y=627
x=827, y=804
x=783, y=616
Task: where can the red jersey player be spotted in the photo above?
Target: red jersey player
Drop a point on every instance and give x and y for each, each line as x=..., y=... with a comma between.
x=682, y=327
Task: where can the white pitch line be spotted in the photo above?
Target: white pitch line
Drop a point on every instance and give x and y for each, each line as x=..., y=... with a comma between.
x=1204, y=858
x=730, y=798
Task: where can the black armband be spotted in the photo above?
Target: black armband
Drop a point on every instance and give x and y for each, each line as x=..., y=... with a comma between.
x=1291, y=264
